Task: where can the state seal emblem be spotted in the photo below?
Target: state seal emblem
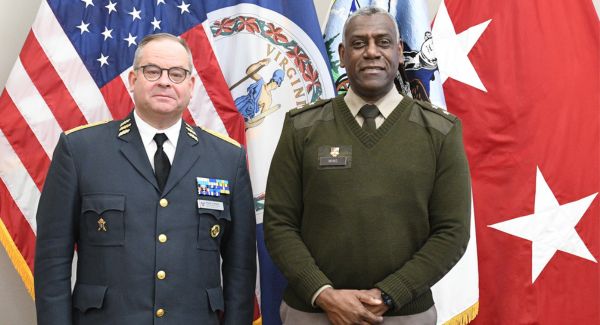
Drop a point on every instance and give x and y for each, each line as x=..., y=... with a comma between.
x=271, y=66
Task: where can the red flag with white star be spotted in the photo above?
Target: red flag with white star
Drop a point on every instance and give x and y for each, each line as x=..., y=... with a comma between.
x=524, y=77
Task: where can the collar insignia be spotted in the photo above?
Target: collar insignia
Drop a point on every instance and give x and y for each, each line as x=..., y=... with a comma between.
x=190, y=132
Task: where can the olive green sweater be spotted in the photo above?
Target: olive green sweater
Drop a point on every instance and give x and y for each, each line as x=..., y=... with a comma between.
x=356, y=210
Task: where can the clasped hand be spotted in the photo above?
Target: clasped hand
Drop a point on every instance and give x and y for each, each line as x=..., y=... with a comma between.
x=352, y=307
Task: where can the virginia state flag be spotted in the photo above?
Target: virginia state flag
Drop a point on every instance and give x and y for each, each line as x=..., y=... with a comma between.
x=524, y=77
x=272, y=56
x=456, y=295
x=253, y=61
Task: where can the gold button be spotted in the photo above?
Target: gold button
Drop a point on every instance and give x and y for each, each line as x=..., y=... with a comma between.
x=162, y=238
x=163, y=203
x=160, y=312
x=161, y=275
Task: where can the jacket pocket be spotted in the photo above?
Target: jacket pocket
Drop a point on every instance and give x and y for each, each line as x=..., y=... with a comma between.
x=215, y=299
x=88, y=296
x=103, y=219
x=212, y=224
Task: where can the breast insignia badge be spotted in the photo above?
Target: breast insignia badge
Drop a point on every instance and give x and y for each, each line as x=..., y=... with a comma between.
x=102, y=224
x=335, y=151
x=215, y=230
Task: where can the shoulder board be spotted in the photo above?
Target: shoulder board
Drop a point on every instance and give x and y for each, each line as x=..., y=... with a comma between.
x=81, y=127
x=223, y=137
x=316, y=104
x=436, y=109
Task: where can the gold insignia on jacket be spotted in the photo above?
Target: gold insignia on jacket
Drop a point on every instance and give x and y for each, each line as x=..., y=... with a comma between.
x=215, y=230
x=125, y=127
x=102, y=224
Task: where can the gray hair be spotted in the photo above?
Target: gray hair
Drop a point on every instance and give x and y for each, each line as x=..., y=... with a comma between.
x=370, y=11
x=159, y=36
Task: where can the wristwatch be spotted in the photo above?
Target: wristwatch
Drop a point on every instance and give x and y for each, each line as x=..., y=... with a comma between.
x=387, y=300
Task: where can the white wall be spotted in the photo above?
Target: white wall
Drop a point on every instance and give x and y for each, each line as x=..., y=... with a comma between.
x=16, y=306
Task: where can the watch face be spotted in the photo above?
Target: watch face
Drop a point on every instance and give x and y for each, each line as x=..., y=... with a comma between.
x=387, y=300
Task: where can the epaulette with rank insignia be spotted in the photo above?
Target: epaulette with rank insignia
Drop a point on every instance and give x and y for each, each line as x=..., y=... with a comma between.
x=307, y=116
x=432, y=116
x=436, y=109
x=318, y=103
x=81, y=127
x=222, y=137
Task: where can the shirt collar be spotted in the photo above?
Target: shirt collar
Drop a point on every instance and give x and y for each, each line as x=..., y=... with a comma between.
x=385, y=104
x=147, y=131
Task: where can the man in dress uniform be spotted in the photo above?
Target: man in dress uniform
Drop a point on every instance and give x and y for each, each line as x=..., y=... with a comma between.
x=160, y=212
x=368, y=195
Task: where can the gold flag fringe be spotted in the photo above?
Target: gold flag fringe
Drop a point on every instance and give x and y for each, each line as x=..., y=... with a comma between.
x=17, y=259
x=257, y=321
x=466, y=316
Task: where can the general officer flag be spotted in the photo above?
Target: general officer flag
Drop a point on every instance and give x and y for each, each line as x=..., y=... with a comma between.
x=524, y=77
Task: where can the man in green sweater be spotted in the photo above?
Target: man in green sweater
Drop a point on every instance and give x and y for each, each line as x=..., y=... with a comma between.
x=368, y=195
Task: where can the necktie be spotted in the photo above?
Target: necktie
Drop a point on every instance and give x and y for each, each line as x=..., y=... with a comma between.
x=369, y=113
x=162, y=166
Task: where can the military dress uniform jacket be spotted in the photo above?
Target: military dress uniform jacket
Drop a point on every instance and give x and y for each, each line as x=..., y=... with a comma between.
x=145, y=257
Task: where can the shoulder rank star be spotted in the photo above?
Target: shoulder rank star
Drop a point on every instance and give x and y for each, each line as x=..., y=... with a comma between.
x=101, y=224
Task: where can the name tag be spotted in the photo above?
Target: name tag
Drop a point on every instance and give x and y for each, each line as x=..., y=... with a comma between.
x=212, y=205
x=331, y=161
x=335, y=157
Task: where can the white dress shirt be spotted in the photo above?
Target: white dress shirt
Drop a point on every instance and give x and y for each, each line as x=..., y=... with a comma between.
x=147, y=133
x=385, y=104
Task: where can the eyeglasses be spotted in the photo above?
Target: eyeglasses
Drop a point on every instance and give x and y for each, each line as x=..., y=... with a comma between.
x=152, y=73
